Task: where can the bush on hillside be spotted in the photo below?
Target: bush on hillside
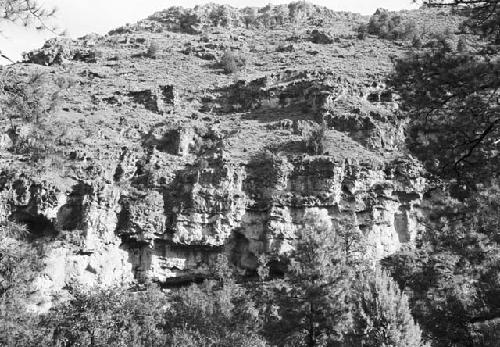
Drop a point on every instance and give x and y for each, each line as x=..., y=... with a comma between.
x=153, y=50
x=26, y=104
x=315, y=140
x=249, y=16
x=232, y=62
x=362, y=32
x=220, y=16
x=187, y=21
x=391, y=26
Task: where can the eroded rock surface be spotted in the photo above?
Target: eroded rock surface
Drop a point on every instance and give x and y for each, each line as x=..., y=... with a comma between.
x=158, y=165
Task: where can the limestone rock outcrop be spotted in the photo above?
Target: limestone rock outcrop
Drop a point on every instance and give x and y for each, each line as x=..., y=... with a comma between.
x=104, y=234
x=156, y=166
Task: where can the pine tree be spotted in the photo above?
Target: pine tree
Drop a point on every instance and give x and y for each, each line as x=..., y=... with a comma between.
x=19, y=264
x=385, y=315
x=25, y=12
x=218, y=312
x=313, y=304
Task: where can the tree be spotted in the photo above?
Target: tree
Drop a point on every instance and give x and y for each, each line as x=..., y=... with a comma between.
x=29, y=100
x=483, y=15
x=453, y=275
x=27, y=103
x=220, y=16
x=19, y=266
x=452, y=99
x=352, y=242
x=249, y=16
x=26, y=12
x=113, y=316
x=187, y=21
x=326, y=298
x=391, y=26
x=218, y=312
x=232, y=62
x=313, y=299
x=280, y=14
x=384, y=317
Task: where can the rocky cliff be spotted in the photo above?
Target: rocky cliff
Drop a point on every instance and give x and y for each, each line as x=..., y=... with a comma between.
x=158, y=164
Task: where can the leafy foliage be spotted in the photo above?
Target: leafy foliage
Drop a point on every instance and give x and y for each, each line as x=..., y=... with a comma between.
x=187, y=21
x=153, y=50
x=391, y=26
x=453, y=277
x=107, y=317
x=325, y=298
x=385, y=314
x=453, y=100
x=483, y=16
x=249, y=16
x=313, y=297
x=232, y=62
x=315, y=140
x=216, y=313
x=27, y=103
x=28, y=100
x=26, y=12
x=19, y=265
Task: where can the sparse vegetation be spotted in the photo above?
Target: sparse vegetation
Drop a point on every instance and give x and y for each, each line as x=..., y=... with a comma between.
x=232, y=62
x=391, y=26
x=20, y=264
x=187, y=22
x=250, y=16
x=27, y=104
x=315, y=140
x=154, y=50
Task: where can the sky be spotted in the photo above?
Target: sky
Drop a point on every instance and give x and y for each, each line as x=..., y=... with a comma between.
x=80, y=17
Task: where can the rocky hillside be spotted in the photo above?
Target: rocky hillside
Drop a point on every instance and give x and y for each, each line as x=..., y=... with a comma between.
x=196, y=132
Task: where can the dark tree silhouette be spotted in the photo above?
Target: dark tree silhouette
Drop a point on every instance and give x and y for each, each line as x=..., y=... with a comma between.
x=453, y=98
x=26, y=12
x=454, y=104
x=483, y=16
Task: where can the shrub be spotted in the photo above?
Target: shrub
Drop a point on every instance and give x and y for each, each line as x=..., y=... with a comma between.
x=20, y=263
x=250, y=16
x=26, y=103
x=220, y=16
x=187, y=21
x=362, y=32
x=462, y=44
x=98, y=316
x=232, y=62
x=391, y=26
x=416, y=42
x=315, y=140
x=153, y=50
x=27, y=100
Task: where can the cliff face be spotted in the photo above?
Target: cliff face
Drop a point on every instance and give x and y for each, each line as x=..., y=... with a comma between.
x=158, y=165
x=109, y=235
